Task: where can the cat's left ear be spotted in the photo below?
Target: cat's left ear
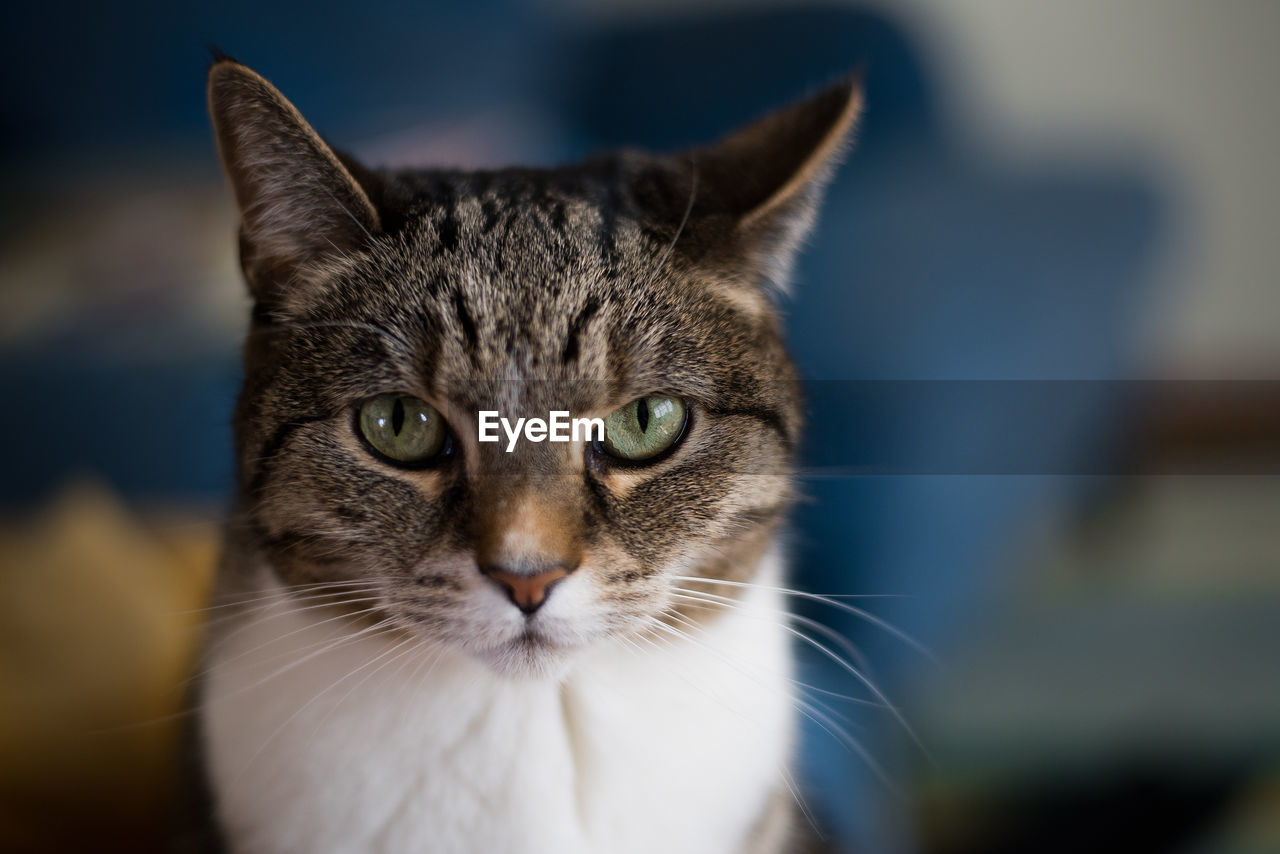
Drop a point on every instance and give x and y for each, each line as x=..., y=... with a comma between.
x=299, y=204
x=748, y=200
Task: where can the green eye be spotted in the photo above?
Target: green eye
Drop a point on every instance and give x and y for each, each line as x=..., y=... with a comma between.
x=644, y=428
x=402, y=428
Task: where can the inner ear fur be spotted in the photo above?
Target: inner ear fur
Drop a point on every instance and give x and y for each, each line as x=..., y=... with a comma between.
x=298, y=203
x=743, y=204
x=760, y=169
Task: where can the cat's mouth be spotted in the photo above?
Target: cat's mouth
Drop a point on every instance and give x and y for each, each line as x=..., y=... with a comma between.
x=533, y=639
x=531, y=652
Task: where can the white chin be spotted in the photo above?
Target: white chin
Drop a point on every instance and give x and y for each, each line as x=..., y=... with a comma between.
x=528, y=657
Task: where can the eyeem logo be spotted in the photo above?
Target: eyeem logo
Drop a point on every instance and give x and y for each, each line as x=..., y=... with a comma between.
x=558, y=427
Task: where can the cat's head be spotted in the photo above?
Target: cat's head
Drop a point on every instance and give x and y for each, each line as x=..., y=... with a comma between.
x=393, y=307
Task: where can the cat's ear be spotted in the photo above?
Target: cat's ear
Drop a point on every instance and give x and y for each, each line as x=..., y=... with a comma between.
x=298, y=203
x=750, y=199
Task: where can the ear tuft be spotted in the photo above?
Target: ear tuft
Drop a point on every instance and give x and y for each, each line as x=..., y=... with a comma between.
x=217, y=54
x=800, y=148
x=757, y=190
x=298, y=203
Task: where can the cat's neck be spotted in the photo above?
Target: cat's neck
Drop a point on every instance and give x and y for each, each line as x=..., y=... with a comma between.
x=318, y=740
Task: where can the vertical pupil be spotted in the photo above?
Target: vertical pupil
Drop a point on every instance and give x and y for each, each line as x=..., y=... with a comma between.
x=397, y=416
x=642, y=414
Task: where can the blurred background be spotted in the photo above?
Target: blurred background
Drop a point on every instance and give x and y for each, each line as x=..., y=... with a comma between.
x=1038, y=320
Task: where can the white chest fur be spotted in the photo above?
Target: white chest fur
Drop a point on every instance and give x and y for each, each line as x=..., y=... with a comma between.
x=671, y=746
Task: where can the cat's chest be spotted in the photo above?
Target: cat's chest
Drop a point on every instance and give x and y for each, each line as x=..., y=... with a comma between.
x=671, y=745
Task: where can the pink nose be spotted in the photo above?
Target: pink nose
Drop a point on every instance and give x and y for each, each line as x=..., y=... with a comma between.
x=527, y=592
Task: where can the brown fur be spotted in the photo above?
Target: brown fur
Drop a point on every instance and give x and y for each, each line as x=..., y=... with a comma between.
x=520, y=290
x=578, y=288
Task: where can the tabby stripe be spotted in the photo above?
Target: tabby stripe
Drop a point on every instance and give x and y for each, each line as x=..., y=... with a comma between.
x=295, y=543
x=489, y=208
x=270, y=450
x=449, y=228
x=575, y=329
x=771, y=418
x=599, y=493
x=464, y=319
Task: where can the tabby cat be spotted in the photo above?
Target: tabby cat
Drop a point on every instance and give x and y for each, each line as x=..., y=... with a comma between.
x=434, y=644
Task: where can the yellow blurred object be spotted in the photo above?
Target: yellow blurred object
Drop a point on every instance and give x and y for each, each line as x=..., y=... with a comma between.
x=98, y=633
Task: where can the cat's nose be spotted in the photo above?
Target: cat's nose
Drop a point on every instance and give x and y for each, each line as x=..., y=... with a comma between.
x=527, y=591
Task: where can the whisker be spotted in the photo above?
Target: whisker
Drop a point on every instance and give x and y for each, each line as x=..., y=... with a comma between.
x=346, y=210
x=303, y=595
x=267, y=741
x=861, y=701
x=362, y=612
x=273, y=615
x=418, y=678
x=816, y=597
x=826, y=631
x=804, y=707
x=380, y=627
x=398, y=657
x=871, y=686
x=196, y=707
x=268, y=658
x=263, y=612
x=839, y=733
x=261, y=617
x=684, y=220
x=652, y=641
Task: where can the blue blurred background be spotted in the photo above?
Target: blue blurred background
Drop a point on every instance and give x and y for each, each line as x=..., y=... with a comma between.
x=1076, y=194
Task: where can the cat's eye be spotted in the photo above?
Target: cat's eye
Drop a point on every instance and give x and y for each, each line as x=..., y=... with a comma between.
x=403, y=429
x=644, y=428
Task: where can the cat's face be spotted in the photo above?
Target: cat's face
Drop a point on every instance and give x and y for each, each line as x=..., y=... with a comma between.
x=394, y=307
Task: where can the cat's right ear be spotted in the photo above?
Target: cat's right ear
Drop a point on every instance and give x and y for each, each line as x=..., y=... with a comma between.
x=741, y=206
x=298, y=203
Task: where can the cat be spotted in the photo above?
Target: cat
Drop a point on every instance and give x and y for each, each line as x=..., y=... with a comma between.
x=434, y=644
